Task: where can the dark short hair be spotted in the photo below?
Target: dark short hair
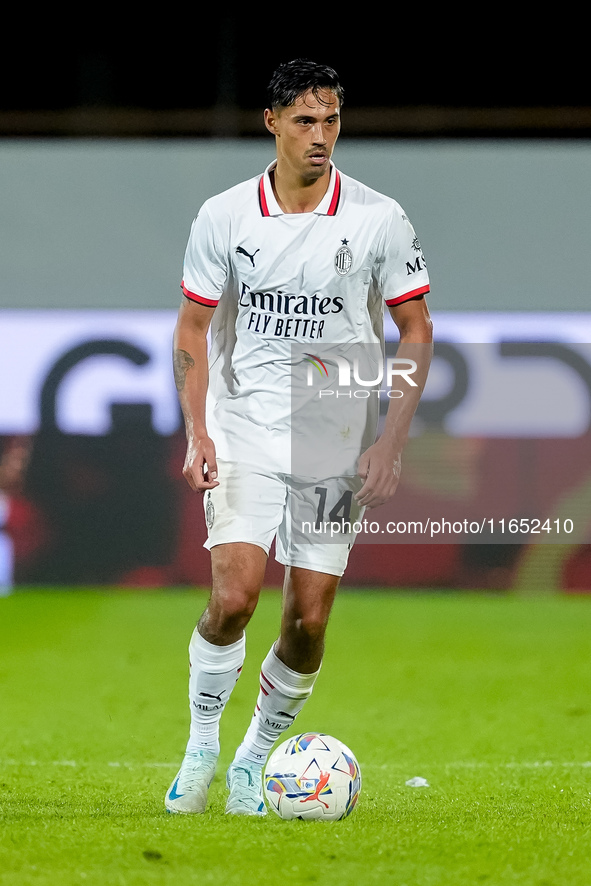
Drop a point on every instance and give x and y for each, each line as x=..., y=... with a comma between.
x=292, y=79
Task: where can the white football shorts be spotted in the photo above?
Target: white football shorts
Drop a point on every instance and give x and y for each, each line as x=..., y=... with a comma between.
x=313, y=522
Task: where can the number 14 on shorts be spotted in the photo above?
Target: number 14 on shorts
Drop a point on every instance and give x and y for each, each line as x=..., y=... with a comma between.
x=328, y=510
x=340, y=512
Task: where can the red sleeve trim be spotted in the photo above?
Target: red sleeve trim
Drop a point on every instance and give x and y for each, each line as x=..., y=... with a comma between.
x=211, y=303
x=407, y=296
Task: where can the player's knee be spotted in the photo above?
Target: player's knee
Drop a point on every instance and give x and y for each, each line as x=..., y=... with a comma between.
x=240, y=604
x=310, y=629
x=238, y=572
x=233, y=606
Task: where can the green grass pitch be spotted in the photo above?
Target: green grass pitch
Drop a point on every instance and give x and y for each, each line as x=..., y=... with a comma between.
x=488, y=698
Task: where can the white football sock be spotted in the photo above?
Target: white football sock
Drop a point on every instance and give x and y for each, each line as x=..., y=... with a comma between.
x=282, y=695
x=214, y=673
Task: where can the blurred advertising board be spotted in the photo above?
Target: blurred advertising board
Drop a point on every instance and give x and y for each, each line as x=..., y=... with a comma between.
x=92, y=444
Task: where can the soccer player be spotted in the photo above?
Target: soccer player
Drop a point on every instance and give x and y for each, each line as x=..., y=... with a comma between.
x=300, y=255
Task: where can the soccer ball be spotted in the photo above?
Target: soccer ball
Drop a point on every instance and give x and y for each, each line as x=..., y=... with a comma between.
x=312, y=776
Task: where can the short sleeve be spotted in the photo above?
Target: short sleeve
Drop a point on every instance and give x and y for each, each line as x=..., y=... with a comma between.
x=402, y=271
x=205, y=267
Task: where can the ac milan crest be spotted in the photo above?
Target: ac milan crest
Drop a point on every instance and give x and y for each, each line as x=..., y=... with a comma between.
x=343, y=259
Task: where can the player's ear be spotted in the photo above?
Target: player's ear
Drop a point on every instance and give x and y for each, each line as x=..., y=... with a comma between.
x=271, y=121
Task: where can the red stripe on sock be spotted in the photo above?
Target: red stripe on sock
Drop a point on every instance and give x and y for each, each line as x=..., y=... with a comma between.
x=267, y=681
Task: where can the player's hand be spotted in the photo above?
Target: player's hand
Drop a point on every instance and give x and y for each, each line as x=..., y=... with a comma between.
x=380, y=467
x=200, y=469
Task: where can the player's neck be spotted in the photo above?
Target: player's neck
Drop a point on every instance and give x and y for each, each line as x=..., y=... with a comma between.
x=295, y=194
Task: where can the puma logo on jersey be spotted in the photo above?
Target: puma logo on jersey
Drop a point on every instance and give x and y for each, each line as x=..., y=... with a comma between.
x=242, y=251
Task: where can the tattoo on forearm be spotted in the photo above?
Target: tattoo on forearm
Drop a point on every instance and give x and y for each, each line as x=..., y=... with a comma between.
x=182, y=362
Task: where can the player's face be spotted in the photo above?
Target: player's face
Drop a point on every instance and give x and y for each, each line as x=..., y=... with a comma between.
x=306, y=133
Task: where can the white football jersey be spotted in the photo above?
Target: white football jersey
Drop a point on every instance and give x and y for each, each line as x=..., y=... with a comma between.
x=279, y=280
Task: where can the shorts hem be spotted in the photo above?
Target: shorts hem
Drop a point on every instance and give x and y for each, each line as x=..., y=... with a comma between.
x=209, y=544
x=313, y=567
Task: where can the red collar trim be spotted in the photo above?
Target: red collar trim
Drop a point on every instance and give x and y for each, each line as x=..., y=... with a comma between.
x=336, y=196
x=332, y=207
x=262, y=198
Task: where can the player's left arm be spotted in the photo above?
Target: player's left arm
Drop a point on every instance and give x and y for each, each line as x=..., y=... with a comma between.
x=380, y=465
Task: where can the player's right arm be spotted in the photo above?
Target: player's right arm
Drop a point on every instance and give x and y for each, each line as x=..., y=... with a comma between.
x=191, y=375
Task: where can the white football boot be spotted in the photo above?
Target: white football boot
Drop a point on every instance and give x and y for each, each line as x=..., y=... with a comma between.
x=188, y=792
x=246, y=790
